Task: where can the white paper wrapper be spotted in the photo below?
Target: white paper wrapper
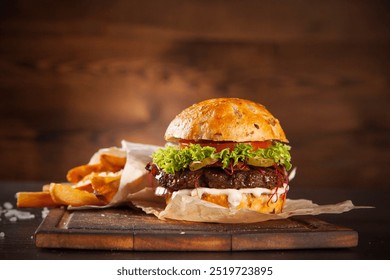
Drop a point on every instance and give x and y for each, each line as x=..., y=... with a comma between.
x=135, y=188
x=187, y=208
x=134, y=176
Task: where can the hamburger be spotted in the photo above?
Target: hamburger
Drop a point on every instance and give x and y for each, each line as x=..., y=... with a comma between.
x=227, y=151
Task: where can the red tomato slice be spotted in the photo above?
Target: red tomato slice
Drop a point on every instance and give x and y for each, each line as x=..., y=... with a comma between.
x=220, y=145
x=261, y=144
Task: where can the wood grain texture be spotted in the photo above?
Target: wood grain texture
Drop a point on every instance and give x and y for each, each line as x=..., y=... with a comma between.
x=126, y=229
x=76, y=77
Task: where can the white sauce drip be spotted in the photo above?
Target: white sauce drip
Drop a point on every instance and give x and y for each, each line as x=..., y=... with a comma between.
x=235, y=195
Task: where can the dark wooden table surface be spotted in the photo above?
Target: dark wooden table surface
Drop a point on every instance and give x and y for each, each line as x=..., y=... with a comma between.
x=372, y=225
x=77, y=77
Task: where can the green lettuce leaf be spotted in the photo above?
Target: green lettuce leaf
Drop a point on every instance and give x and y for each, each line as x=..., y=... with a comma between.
x=278, y=152
x=172, y=159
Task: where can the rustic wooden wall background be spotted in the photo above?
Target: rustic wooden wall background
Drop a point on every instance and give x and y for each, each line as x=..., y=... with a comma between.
x=76, y=76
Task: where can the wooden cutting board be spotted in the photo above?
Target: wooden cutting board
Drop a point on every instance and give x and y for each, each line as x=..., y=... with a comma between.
x=128, y=229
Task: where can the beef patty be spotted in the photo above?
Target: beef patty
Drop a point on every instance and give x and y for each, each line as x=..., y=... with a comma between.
x=211, y=177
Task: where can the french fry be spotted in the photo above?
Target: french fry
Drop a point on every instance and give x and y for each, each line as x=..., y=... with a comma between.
x=85, y=183
x=34, y=200
x=88, y=184
x=76, y=174
x=46, y=188
x=107, y=163
x=112, y=163
x=86, y=187
x=106, y=186
x=67, y=195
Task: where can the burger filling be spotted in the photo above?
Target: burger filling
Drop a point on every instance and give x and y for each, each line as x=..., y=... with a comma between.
x=217, y=178
x=222, y=166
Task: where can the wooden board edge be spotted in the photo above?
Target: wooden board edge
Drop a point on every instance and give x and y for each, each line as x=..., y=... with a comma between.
x=50, y=234
x=84, y=241
x=290, y=240
x=184, y=241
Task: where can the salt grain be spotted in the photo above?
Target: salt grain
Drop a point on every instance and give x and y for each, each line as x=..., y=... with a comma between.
x=18, y=215
x=45, y=212
x=2, y=235
x=8, y=214
x=8, y=205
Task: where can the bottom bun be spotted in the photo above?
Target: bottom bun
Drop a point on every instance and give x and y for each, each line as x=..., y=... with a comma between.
x=268, y=203
x=262, y=204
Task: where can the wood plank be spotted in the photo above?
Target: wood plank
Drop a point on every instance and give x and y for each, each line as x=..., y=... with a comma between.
x=322, y=235
x=224, y=20
x=129, y=229
x=79, y=77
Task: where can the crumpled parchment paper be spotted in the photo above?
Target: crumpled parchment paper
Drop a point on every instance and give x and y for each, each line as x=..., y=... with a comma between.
x=135, y=188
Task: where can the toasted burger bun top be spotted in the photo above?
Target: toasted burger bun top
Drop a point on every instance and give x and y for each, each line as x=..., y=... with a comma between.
x=225, y=119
